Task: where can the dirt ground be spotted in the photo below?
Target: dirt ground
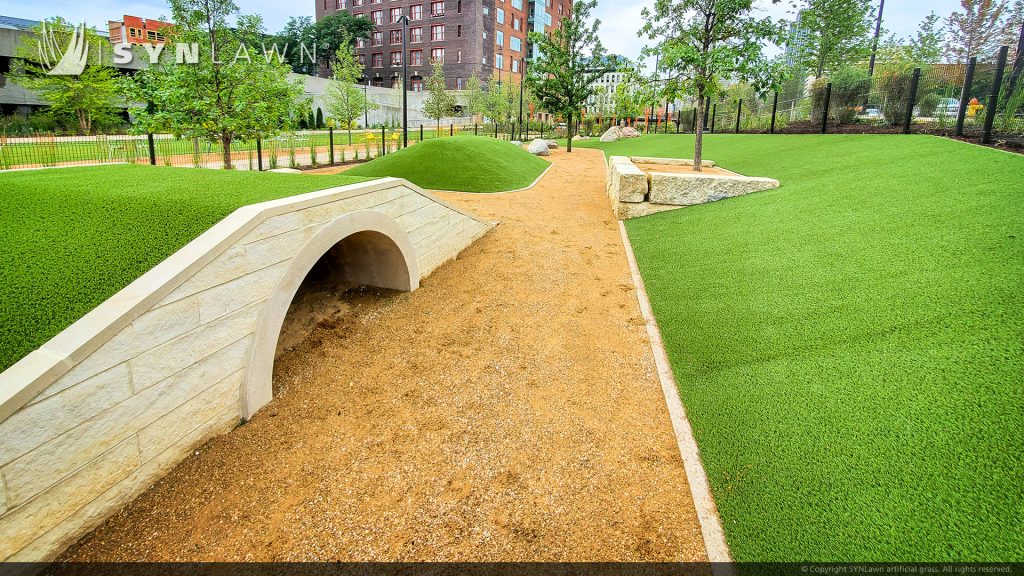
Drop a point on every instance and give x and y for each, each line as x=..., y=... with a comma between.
x=508, y=410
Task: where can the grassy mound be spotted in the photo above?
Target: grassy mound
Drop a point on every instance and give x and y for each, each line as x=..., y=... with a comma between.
x=73, y=237
x=850, y=346
x=462, y=164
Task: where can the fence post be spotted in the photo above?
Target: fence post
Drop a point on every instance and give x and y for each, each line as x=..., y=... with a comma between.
x=330, y=144
x=707, y=105
x=993, y=99
x=451, y=129
x=383, y=141
x=476, y=129
x=714, y=112
x=965, y=96
x=824, y=113
x=914, y=79
x=739, y=114
x=495, y=128
x=542, y=130
x=775, y=109
x=152, y=149
x=259, y=154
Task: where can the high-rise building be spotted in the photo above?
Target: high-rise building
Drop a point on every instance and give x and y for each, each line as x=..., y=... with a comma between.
x=482, y=38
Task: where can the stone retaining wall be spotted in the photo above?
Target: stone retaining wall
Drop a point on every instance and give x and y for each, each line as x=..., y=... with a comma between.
x=104, y=409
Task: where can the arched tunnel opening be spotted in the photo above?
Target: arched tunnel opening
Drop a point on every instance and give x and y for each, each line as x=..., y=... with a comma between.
x=357, y=273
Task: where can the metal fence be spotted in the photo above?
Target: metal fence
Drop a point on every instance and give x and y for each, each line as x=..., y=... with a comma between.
x=301, y=149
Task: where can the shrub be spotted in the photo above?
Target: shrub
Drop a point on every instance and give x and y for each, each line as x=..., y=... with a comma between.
x=818, y=99
x=850, y=87
x=927, y=104
x=894, y=85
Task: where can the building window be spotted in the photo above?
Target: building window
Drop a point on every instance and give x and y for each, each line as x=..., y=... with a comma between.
x=500, y=16
x=357, y=2
x=360, y=42
x=437, y=55
x=437, y=8
x=458, y=57
x=515, y=44
x=396, y=58
x=460, y=84
x=416, y=34
x=362, y=60
x=459, y=7
x=416, y=83
x=499, y=38
x=342, y=4
x=378, y=38
x=416, y=57
x=517, y=4
x=515, y=65
x=377, y=16
x=396, y=15
x=396, y=36
x=458, y=31
x=378, y=60
x=416, y=12
x=517, y=24
x=437, y=32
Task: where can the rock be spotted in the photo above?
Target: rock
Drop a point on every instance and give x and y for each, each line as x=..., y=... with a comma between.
x=696, y=188
x=612, y=134
x=517, y=143
x=552, y=144
x=580, y=137
x=286, y=171
x=539, y=148
x=630, y=132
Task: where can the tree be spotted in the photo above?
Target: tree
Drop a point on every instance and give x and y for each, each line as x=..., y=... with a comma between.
x=975, y=31
x=627, y=104
x=838, y=33
x=297, y=43
x=925, y=47
x=572, y=59
x=230, y=93
x=439, y=103
x=705, y=40
x=476, y=99
x=337, y=30
x=346, y=101
x=81, y=101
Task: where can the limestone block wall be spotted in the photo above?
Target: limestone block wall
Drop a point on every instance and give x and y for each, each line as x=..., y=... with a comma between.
x=104, y=409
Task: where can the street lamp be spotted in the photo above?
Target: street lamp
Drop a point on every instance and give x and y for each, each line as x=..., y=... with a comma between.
x=522, y=83
x=405, y=77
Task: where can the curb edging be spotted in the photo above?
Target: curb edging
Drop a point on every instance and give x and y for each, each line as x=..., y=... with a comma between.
x=700, y=490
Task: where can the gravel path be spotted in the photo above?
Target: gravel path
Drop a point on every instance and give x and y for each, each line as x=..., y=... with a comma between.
x=509, y=410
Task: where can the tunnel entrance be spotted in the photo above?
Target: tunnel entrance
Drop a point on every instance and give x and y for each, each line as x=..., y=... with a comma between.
x=360, y=255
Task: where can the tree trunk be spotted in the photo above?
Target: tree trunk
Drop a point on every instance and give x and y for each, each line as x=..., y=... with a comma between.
x=569, y=132
x=225, y=142
x=698, y=133
x=1018, y=65
x=350, y=133
x=83, y=121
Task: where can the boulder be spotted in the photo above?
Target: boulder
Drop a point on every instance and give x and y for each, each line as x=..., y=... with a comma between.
x=630, y=132
x=516, y=143
x=612, y=134
x=539, y=148
x=552, y=144
x=580, y=137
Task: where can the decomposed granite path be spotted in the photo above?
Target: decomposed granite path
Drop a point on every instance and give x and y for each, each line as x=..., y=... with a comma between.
x=508, y=410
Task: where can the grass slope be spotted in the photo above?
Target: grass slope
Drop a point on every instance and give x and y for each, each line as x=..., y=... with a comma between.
x=850, y=347
x=462, y=164
x=72, y=237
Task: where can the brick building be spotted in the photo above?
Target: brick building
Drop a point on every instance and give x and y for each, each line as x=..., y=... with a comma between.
x=136, y=30
x=482, y=38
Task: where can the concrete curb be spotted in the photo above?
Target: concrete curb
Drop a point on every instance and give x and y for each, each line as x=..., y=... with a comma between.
x=700, y=490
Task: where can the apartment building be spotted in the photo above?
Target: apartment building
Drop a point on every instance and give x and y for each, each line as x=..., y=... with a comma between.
x=137, y=30
x=482, y=38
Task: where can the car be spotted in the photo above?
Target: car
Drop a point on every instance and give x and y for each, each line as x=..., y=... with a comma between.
x=948, y=107
x=871, y=114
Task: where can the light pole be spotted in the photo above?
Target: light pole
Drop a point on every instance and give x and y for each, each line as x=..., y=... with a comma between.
x=405, y=77
x=522, y=83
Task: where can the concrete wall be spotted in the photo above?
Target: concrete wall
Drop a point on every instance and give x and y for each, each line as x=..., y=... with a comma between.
x=105, y=408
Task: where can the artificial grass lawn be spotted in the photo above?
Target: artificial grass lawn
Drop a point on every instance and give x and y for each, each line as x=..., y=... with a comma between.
x=850, y=347
x=72, y=237
x=462, y=164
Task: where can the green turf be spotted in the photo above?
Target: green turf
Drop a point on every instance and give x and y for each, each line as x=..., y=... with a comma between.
x=72, y=237
x=850, y=347
x=463, y=164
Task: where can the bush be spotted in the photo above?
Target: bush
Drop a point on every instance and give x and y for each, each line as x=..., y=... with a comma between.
x=850, y=87
x=894, y=85
x=927, y=105
x=818, y=99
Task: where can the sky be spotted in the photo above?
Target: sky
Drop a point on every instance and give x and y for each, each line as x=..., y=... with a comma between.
x=620, y=19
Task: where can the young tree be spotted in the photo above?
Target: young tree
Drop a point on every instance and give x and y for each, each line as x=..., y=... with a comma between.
x=838, y=33
x=925, y=47
x=977, y=30
x=346, y=101
x=572, y=60
x=439, y=103
x=475, y=98
x=233, y=91
x=702, y=41
x=82, y=100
